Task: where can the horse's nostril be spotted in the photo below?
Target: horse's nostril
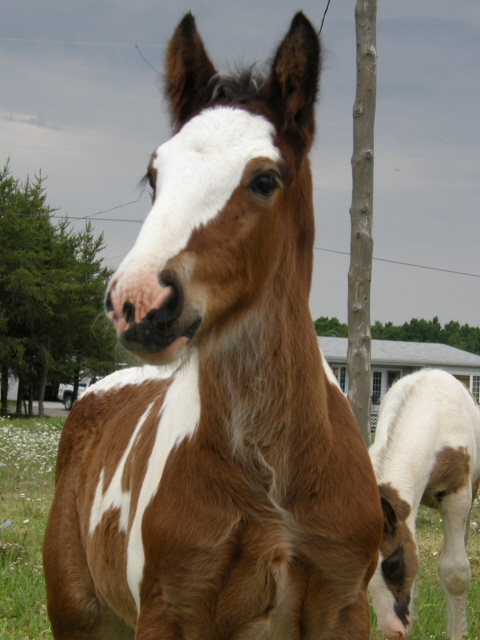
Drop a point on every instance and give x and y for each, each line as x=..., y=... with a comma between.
x=108, y=302
x=172, y=308
x=128, y=311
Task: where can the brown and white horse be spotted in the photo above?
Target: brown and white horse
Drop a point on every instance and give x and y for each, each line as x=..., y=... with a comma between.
x=227, y=495
x=426, y=451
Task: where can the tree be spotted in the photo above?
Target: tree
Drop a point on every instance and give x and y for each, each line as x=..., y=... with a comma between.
x=330, y=327
x=455, y=335
x=361, y=212
x=462, y=337
x=26, y=236
x=91, y=343
x=52, y=285
x=11, y=348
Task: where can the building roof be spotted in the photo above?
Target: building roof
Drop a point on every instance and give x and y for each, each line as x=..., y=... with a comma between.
x=421, y=354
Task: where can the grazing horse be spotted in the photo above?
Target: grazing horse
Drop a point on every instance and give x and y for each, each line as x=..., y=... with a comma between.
x=426, y=451
x=223, y=491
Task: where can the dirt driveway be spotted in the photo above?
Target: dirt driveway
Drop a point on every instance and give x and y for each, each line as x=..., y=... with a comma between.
x=51, y=409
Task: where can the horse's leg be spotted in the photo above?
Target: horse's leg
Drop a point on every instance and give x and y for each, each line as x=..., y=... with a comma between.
x=74, y=610
x=475, y=488
x=453, y=566
x=354, y=621
x=154, y=623
x=323, y=620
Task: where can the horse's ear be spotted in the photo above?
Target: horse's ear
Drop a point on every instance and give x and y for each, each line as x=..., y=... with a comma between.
x=188, y=72
x=293, y=82
x=389, y=517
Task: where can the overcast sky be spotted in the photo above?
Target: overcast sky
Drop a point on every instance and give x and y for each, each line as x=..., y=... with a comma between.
x=78, y=102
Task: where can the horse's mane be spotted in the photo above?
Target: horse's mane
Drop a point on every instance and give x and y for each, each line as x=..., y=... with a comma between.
x=390, y=422
x=236, y=87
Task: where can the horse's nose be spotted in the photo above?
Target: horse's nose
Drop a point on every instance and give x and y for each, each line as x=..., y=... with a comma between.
x=156, y=330
x=128, y=312
x=396, y=630
x=144, y=308
x=173, y=306
x=109, y=308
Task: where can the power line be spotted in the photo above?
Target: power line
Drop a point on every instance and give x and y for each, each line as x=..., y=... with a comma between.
x=122, y=255
x=380, y=108
x=103, y=219
x=344, y=253
x=430, y=122
x=90, y=215
x=405, y=264
x=95, y=44
x=324, y=16
x=67, y=217
x=121, y=44
x=98, y=44
x=151, y=66
x=106, y=150
x=382, y=203
x=118, y=206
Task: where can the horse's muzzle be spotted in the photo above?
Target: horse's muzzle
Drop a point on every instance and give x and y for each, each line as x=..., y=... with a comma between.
x=151, y=331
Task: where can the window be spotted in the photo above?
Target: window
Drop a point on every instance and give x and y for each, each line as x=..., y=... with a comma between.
x=376, y=387
x=476, y=388
x=392, y=377
x=340, y=374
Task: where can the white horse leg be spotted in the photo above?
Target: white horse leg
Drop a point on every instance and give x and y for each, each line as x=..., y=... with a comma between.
x=453, y=566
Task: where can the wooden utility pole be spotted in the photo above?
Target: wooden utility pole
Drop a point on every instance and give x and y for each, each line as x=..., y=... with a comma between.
x=361, y=213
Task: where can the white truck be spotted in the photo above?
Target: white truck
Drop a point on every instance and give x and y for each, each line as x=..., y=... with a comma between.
x=65, y=391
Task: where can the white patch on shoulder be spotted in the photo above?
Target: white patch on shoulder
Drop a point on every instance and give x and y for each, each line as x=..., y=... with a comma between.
x=179, y=418
x=328, y=371
x=114, y=497
x=197, y=172
x=133, y=375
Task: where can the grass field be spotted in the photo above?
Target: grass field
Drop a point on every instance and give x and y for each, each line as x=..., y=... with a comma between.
x=27, y=459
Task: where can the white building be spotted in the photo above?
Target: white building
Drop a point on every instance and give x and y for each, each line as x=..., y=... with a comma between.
x=391, y=360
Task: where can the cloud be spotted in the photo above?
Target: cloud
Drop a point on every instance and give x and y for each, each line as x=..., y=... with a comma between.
x=30, y=120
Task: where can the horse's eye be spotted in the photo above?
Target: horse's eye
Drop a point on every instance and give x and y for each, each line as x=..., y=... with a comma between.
x=264, y=185
x=394, y=563
x=151, y=181
x=391, y=565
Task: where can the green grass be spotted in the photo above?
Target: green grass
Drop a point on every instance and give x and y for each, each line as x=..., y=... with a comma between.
x=27, y=459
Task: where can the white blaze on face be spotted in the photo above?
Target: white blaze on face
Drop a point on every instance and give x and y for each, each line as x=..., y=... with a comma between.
x=197, y=171
x=383, y=603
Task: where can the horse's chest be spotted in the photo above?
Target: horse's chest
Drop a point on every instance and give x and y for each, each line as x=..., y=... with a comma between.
x=221, y=574
x=205, y=536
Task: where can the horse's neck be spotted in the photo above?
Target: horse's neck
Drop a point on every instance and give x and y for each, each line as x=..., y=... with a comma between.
x=404, y=459
x=265, y=385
